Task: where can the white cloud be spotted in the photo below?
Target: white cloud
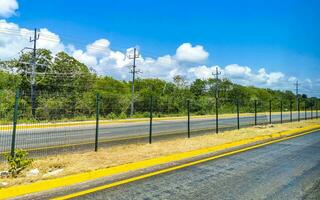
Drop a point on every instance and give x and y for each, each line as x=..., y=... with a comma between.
x=50, y=41
x=165, y=67
x=186, y=52
x=99, y=54
x=99, y=48
x=236, y=71
x=107, y=61
x=8, y=8
x=15, y=39
x=241, y=75
x=11, y=44
x=308, y=83
x=115, y=63
x=274, y=77
x=203, y=72
x=292, y=79
x=85, y=58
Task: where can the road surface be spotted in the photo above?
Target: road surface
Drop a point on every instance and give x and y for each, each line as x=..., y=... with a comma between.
x=43, y=137
x=286, y=170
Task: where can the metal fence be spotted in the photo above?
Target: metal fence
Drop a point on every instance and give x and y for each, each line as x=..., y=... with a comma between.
x=59, y=124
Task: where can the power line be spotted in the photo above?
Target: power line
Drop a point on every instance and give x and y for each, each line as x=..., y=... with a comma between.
x=133, y=71
x=47, y=37
x=297, y=93
x=33, y=73
x=216, y=74
x=96, y=47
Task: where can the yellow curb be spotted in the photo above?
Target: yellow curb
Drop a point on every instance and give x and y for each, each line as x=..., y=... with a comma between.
x=170, y=169
x=78, y=178
x=275, y=135
x=84, y=123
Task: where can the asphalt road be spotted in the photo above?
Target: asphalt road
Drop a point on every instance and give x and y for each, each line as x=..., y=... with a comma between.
x=58, y=136
x=286, y=170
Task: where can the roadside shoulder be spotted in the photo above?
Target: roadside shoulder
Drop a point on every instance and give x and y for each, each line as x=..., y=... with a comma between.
x=82, y=181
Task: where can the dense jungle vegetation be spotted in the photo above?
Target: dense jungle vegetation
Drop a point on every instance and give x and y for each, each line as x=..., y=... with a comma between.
x=67, y=88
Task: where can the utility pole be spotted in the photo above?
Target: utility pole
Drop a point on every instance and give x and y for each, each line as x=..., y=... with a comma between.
x=133, y=71
x=297, y=93
x=216, y=74
x=33, y=72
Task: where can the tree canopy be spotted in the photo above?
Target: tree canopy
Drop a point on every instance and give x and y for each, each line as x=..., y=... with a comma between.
x=67, y=88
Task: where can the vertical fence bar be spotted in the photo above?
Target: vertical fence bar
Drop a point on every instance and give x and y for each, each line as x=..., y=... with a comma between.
x=255, y=112
x=217, y=115
x=97, y=122
x=317, y=110
x=150, y=125
x=298, y=109
x=311, y=111
x=305, y=110
x=188, y=104
x=270, y=112
x=15, y=119
x=290, y=111
x=238, y=114
x=281, y=108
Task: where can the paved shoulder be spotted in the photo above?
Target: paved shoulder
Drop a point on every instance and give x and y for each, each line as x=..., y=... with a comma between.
x=284, y=170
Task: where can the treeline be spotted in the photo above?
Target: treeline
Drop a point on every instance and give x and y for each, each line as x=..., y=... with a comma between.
x=66, y=88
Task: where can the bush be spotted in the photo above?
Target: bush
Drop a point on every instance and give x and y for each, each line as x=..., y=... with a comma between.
x=123, y=115
x=146, y=114
x=18, y=162
x=111, y=116
x=201, y=112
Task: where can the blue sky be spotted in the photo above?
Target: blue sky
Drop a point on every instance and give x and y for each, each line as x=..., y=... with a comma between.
x=279, y=36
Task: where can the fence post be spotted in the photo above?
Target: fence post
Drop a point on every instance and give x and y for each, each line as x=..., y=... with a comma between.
x=298, y=109
x=255, y=112
x=270, y=112
x=281, y=108
x=290, y=111
x=188, y=105
x=317, y=110
x=15, y=119
x=97, y=122
x=311, y=111
x=238, y=114
x=217, y=115
x=305, y=110
x=150, y=126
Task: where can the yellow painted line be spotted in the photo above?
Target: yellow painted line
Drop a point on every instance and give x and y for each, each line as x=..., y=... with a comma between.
x=78, y=178
x=96, y=189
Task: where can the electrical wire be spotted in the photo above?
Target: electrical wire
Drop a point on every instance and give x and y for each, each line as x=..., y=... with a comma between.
x=101, y=48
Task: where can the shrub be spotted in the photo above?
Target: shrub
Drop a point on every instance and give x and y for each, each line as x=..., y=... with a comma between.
x=18, y=162
x=146, y=114
x=122, y=115
x=201, y=112
x=111, y=116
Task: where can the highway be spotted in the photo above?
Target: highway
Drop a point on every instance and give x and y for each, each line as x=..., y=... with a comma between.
x=41, y=137
x=289, y=169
